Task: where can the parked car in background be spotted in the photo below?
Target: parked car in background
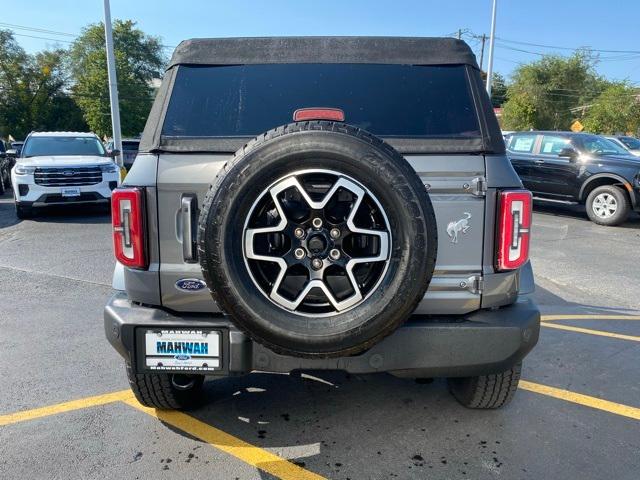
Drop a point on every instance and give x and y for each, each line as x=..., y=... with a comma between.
x=129, y=150
x=5, y=168
x=578, y=168
x=631, y=144
x=62, y=167
x=17, y=146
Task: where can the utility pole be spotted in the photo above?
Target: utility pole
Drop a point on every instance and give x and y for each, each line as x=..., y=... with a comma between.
x=484, y=39
x=113, y=82
x=459, y=34
x=492, y=39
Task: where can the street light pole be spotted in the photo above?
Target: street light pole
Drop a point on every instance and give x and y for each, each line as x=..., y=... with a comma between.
x=492, y=39
x=113, y=82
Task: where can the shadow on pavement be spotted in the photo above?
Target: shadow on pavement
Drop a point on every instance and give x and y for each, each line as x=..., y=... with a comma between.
x=86, y=213
x=73, y=214
x=336, y=424
x=7, y=211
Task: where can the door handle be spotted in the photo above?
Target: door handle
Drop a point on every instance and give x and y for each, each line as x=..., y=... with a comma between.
x=188, y=211
x=538, y=162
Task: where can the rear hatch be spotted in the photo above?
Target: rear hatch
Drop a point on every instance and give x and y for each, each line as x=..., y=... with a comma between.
x=213, y=110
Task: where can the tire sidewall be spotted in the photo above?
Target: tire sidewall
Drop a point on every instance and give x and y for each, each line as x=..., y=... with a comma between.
x=623, y=205
x=412, y=255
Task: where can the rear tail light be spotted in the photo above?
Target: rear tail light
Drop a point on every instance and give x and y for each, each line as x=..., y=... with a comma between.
x=321, y=113
x=127, y=212
x=514, y=223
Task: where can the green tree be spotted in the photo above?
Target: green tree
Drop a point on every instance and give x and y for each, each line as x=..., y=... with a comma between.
x=542, y=94
x=615, y=110
x=34, y=91
x=139, y=59
x=498, y=90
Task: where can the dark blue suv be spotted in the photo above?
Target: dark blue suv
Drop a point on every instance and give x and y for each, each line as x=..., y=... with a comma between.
x=578, y=168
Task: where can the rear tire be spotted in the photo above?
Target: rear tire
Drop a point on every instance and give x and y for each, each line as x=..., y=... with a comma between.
x=158, y=390
x=2, y=183
x=487, y=391
x=601, y=212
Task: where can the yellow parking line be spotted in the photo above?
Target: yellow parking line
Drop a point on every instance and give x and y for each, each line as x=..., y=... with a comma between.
x=551, y=318
x=589, y=331
x=255, y=456
x=580, y=399
x=65, y=407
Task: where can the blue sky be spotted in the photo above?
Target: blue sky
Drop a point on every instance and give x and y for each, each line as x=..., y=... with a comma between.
x=597, y=24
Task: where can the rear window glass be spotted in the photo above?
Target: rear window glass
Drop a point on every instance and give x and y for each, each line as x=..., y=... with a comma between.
x=386, y=100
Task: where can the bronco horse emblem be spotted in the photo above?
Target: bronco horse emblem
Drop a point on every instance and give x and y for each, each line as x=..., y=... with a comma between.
x=460, y=226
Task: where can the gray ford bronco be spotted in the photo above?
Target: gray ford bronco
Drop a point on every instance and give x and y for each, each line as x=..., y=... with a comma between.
x=322, y=203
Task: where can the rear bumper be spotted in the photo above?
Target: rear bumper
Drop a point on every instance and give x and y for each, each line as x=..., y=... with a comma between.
x=486, y=341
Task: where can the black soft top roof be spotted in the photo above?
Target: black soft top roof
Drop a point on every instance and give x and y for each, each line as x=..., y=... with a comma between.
x=253, y=50
x=374, y=50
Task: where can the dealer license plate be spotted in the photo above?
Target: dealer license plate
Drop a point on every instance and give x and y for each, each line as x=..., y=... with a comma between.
x=193, y=350
x=70, y=192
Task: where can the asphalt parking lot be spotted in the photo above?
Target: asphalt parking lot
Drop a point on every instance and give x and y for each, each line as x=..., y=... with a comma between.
x=65, y=411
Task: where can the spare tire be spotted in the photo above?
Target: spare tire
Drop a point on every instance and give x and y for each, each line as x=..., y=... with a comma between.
x=318, y=239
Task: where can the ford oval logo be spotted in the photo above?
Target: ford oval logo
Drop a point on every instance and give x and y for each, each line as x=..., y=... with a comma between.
x=190, y=284
x=182, y=357
x=68, y=173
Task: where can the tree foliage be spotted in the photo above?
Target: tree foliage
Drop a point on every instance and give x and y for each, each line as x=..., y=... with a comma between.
x=542, y=94
x=34, y=91
x=615, y=110
x=139, y=59
x=498, y=90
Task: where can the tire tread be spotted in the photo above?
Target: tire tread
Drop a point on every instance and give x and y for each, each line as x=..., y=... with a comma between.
x=487, y=391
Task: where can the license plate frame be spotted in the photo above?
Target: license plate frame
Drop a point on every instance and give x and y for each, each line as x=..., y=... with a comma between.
x=170, y=358
x=70, y=192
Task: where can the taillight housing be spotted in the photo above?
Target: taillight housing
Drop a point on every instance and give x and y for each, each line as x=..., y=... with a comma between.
x=514, y=229
x=127, y=215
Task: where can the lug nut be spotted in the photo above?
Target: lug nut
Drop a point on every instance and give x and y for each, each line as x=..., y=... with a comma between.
x=335, y=233
x=316, y=263
x=334, y=253
x=316, y=222
x=298, y=232
x=298, y=253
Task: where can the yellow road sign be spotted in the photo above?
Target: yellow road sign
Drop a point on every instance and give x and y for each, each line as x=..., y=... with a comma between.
x=577, y=126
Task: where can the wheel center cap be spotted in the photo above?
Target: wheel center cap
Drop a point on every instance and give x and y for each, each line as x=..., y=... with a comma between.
x=317, y=243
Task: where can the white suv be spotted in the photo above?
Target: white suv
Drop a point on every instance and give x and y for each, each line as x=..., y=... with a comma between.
x=62, y=167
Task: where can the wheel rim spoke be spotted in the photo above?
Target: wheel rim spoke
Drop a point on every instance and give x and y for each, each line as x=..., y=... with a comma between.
x=318, y=276
x=605, y=205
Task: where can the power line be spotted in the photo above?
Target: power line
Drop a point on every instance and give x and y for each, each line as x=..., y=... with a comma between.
x=12, y=27
x=34, y=29
x=41, y=38
x=557, y=47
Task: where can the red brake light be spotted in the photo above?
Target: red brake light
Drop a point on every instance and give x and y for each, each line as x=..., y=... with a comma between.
x=514, y=223
x=127, y=214
x=303, y=114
